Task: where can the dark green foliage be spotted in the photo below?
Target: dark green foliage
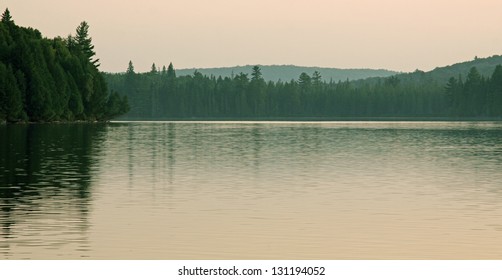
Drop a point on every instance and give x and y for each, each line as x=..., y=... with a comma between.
x=477, y=96
x=116, y=105
x=11, y=103
x=85, y=43
x=130, y=68
x=6, y=17
x=495, y=93
x=154, y=69
x=166, y=96
x=51, y=79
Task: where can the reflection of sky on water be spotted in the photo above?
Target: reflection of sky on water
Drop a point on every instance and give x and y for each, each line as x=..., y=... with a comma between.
x=251, y=190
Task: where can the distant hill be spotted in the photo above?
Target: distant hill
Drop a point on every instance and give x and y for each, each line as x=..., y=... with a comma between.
x=441, y=75
x=291, y=72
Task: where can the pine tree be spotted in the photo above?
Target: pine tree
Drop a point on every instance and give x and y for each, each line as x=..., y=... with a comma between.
x=153, y=70
x=130, y=68
x=495, y=101
x=316, y=78
x=256, y=74
x=85, y=43
x=256, y=95
x=6, y=17
x=171, y=73
x=304, y=81
x=473, y=95
x=453, y=92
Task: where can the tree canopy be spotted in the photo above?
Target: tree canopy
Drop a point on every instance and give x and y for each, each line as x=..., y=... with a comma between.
x=52, y=79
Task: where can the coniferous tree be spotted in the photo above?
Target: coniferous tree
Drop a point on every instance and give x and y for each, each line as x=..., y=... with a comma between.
x=130, y=68
x=471, y=94
x=153, y=69
x=256, y=73
x=316, y=78
x=6, y=17
x=85, y=43
x=495, y=92
x=171, y=73
x=453, y=92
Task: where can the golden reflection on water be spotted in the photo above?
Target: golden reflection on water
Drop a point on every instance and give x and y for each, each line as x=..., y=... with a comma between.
x=232, y=190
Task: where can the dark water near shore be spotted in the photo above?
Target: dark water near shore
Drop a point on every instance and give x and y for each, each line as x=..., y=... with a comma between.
x=251, y=190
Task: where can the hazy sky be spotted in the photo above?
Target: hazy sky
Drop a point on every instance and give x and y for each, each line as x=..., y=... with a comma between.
x=392, y=34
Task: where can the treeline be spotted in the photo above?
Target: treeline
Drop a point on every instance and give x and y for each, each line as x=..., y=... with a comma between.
x=287, y=72
x=52, y=79
x=476, y=96
x=162, y=95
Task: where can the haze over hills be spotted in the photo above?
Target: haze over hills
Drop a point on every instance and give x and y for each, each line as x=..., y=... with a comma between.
x=291, y=72
x=275, y=73
x=485, y=67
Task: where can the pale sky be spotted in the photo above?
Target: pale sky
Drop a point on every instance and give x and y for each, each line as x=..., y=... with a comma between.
x=390, y=34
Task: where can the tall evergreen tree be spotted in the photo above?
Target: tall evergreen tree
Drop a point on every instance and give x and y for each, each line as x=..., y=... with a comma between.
x=6, y=17
x=472, y=95
x=316, y=78
x=304, y=81
x=84, y=41
x=153, y=69
x=130, y=68
x=256, y=73
x=495, y=100
x=171, y=73
x=453, y=92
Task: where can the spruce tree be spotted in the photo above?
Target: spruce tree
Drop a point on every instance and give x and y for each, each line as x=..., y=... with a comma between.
x=153, y=69
x=130, y=68
x=316, y=78
x=256, y=73
x=6, y=17
x=171, y=73
x=85, y=43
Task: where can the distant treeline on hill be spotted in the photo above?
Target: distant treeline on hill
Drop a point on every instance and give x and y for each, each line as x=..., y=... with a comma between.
x=163, y=95
x=277, y=73
x=52, y=79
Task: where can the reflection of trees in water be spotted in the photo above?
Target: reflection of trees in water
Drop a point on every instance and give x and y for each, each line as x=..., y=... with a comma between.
x=45, y=180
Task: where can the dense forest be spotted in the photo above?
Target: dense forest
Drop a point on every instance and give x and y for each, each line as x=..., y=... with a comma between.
x=45, y=80
x=160, y=94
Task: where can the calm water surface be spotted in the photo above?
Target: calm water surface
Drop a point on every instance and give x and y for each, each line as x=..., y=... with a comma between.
x=244, y=190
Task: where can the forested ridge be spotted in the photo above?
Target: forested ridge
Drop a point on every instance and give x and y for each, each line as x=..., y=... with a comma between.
x=46, y=80
x=161, y=94
x=287, y=72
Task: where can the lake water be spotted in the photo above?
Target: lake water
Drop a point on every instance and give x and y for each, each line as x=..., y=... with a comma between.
x=251, y=190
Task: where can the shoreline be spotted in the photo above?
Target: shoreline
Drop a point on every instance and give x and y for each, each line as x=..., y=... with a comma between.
x=3, y=122
x=320, y=119
x=275, y=119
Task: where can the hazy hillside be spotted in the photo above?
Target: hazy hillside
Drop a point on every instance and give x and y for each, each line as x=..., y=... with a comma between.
x=485, y=67
x=289, y=72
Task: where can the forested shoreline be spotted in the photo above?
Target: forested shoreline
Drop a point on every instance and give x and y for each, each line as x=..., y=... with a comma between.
x=161, y=95
x=58, y=80
x=50, y=80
